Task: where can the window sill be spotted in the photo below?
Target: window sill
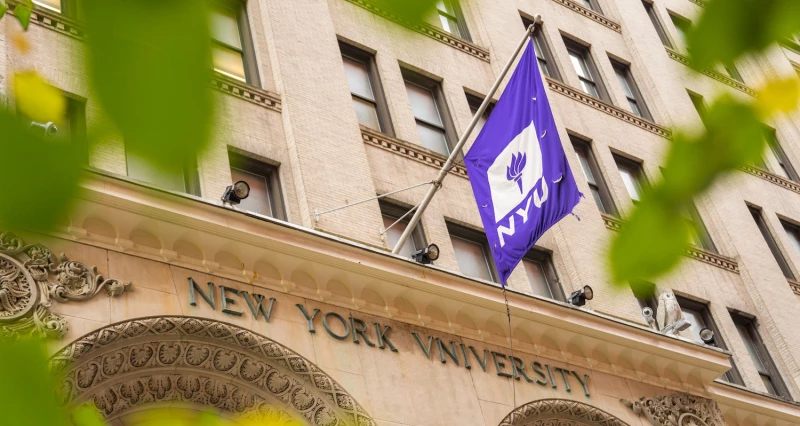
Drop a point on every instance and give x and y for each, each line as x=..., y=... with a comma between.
x=410, y=150
x=591, y=14
x=773, y=178
x=252, y=94
x=697, y=253
x=428, y=30
x=679, y=57
x=607, y=108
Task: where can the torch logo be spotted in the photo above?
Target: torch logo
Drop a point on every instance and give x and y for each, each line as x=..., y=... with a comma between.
x=514, y=170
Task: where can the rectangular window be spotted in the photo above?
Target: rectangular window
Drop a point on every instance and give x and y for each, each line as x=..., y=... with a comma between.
x=700, y=236
x=699, y=317
x=632, y=176
x=793, y=232
x=265, y=188
x=451, y=18
x=542, y=275
x=733, y=72
x=475, y=104
x=591, y=5
x=597, y=185
x=54, y=5
x=760, y=356
x=232, y=50
x=472, y=252
x=631, y=90
x=179, y=176
x=758, y=216
x=581, y=60
x=365, y=88
x=543, y=53
x=391, y=213
x=427, y=100
x=682, y=26
x=777, y=158
x=651, y=13
x=699, y=104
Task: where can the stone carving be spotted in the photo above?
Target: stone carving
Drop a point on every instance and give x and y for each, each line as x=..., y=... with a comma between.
x=195, y=360
x=679, y=409
x=559, y=412
x=31, y=277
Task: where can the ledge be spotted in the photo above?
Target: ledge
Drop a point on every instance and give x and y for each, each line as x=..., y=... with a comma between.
x=607, y=108
x=701, y=3
x=410, y=150
x=769, y=177
x=713, y=74
x=718, y=260
x=57, y=22
x=252, y=94
x=591, y=14
x=428, y=30
x=795, y=286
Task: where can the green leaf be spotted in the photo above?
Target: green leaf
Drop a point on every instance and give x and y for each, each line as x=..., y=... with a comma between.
x=3, y=8
x=23, y=11
x=411, y=11
x=39, y=176
x=37, y=99
x=26, y=394
x=150, y=62
x=87, y=415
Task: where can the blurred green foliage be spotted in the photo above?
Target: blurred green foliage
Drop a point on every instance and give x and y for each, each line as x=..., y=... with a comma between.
x=411, y=11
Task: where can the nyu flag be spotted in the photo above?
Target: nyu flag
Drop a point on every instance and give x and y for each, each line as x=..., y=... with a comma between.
x=518, y=170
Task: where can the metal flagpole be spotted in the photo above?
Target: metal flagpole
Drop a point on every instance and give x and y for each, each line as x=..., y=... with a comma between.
x=437, y=184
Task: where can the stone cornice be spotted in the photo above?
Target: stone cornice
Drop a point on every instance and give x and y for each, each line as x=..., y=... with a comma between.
x=701, y=3
x=607, y=108
x=795, y=286
x=428, y=30
x=252, y=94
x=718, y=260
x=677, y=56
x=591, y=14
x=57, y=22
x=410, y=150
x=769, y=177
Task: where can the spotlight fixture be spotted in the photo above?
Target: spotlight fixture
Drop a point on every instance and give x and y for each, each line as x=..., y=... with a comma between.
x=707, y=336
x=49, y=129
x=579, y=297
x=426, y=255
x=234, y=194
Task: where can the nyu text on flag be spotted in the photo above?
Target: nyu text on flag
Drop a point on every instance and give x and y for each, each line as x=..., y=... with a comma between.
x=519, y=174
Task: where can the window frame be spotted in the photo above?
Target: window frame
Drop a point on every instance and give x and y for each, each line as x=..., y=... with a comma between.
x=545, y=259
x=682, y=26
x=244, y=161
x=699, y=103
x=733, y=72
x=594, y=5
x=76, y=115
x=638, y=97
x=650, y=9
x=584, y=52
x=69, y=8
x=636, y=169
x=707, y=243
x=435, y=87
x=792, y=229
x=250, y=65
x=774, y=144
x=476, y=237
x=581, y=145
x=381, y=105
x=475, y=102
x=547, y=62
x=394, y=211
x=189, y=172
x=780, y=258
x=458, y=16
x=750, y=324
x=645, y=299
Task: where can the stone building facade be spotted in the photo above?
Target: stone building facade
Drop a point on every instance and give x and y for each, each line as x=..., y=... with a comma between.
x=277, y=305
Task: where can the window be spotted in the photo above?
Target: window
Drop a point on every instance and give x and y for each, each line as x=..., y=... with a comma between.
x=758, y=216
x=265, y=188
x=64, y=7
x=600, y=193
x=631, y=90
x=368, y=99
x=700, y=236
x=475, y=104
x=793, y=231
x=777, y=159
x=391, y=213
x=590, y=4
x=699, y=104
x=427, y=103
x=682, y=26
x=733, y=72
x=584, y=66
x=232, y=50
x=699, y=317
x=542, y=275
x=543, y=53
x=180, y=175
x=651, y=12
x=632, y=176
x=472, y=252
x=758, y=353
x=645, y=294
x=452, y=19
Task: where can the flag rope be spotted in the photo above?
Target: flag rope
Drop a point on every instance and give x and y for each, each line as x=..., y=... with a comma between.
x=511, y=343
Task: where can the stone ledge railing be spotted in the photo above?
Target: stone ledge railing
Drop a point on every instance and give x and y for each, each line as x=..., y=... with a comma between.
x=410, y=150
x=591, y=14
x=795, y=286
x=428, y=30
x=769, y=177
x=679, y=57
x=718, y=260
x=607, y=108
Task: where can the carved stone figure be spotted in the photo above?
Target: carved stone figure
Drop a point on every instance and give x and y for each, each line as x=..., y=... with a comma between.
x=678, y=409
x=669, y=314
x=31, y=277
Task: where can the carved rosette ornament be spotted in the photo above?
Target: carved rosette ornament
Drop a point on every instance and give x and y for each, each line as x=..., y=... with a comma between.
x=31, y=277
x=678, y=409
x=559, y=412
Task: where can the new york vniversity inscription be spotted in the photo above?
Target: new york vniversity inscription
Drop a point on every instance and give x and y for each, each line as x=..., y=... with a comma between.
x=378, y=335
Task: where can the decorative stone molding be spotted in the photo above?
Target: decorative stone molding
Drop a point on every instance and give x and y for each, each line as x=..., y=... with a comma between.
x=428, y=30
x=127, y=365
x=57, y=22
x=713, y=74
x=701, y=3
x=410, y=150
x=607, y=108
x=718, y=260
x=559, y=412
x=247, y=92
x=795, y=286
x=679, y=409
x=31, y=277
x=591, y=14
x=769, y=177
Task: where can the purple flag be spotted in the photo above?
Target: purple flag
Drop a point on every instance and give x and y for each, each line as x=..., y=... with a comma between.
x=520, y=176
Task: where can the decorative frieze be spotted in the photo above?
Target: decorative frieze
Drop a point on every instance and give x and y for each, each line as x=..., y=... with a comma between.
x=410, y=150
x=591, y=14
x=769, y=177
x=713, y=74
x=57, y=22
x=427, y=30
x=795, y=286
x=607, y=108
x=249, y=93
x=611, y=222
x=678, y=409
x=559, y=412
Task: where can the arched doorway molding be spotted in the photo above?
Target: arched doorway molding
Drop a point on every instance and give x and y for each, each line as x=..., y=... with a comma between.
x=125, y=366
x=559, y=412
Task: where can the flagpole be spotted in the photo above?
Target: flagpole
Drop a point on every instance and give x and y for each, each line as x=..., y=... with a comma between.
x=437, y=184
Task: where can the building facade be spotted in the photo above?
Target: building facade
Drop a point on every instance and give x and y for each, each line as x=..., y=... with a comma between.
x=279, y=305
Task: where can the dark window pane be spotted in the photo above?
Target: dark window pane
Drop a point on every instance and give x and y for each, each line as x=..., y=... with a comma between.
x=423, y=104
x=537, y=278
x=773, y=246
x=433, y=138
x=394, y=233
x=259, y=200
x=54, y=5
x=651, y=13
x=471, y=257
